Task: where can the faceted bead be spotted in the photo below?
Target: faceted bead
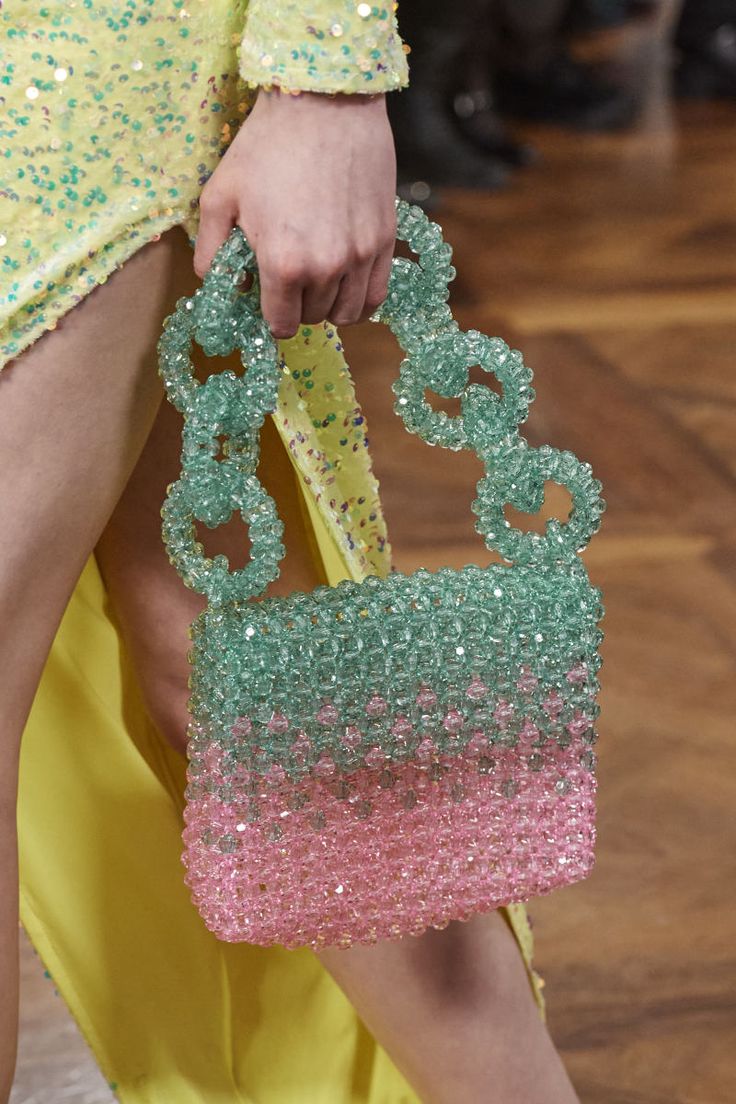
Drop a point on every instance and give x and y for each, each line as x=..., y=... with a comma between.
x=317, y=820
x=578, y=725
x=402, y=727
x=426, y=698
x=578, y=673
x=352, y=737
x=453, y=720
x=477, y=690
x=278, y=723
x=325, y=766
x=376, y=706
x=227, y=844
x=528, y=732
x=213, y=757
x=553, y=705
x=503, y=712
x=527, y=682
x=425, y=750
x=478, y=744
x=302, y=745
x=327, y=714
x=375, y=757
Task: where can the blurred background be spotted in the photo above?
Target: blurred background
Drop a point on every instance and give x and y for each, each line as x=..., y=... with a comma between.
x=581, y=158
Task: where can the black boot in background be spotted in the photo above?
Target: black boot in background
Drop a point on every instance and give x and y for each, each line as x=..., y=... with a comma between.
x=430, y=149
x=705, y=39
x=565, y=91
x=473, y=96
x=537, y=78
x=478, y=119
x=598, y=15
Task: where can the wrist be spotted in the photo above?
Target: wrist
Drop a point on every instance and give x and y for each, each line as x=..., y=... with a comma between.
x=275, y=99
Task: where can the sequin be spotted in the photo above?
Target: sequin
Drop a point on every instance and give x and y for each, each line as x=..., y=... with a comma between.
x=112, y=123
x=339, y=48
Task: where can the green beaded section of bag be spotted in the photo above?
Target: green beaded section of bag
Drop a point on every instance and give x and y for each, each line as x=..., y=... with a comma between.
x=307, y=667
x=339, y=672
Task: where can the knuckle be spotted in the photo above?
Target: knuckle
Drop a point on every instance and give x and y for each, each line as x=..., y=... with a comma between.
x=285, y=269
x=316, y=271
x=326, y=269
x=364, y=251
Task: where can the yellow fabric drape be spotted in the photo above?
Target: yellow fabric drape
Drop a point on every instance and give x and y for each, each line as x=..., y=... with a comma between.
x=173, y=1015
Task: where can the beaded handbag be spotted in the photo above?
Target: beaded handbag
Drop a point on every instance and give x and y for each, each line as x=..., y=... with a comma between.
x=378, y=757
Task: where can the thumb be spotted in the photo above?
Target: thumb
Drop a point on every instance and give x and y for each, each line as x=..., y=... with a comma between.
x=216, y=220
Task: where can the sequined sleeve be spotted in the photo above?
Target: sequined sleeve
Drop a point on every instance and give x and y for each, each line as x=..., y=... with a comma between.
x=323, y=46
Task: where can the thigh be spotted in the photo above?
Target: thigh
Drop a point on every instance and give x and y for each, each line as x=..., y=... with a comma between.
x=75, y=411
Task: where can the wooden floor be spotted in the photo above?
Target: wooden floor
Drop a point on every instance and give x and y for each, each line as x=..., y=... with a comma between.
x=612, y=266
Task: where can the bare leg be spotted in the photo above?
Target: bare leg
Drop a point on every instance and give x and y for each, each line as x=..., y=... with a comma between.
x=454, y=1009
x=75, y=411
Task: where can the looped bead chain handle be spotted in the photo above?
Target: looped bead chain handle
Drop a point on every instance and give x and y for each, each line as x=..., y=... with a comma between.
x=223, y=416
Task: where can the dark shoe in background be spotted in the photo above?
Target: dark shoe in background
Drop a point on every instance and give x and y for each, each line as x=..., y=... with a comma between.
x=477, y=119
x=600, y=15
x=705, y=41
x=431, y=151
x=564, y=91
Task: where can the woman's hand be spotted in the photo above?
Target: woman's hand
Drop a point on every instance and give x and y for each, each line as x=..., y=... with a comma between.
x=311, y=180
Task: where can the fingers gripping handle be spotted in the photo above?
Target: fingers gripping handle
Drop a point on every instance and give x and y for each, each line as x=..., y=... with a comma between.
x=225, y=413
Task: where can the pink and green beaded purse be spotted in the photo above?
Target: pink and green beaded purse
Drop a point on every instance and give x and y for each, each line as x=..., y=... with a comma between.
x=375, y=758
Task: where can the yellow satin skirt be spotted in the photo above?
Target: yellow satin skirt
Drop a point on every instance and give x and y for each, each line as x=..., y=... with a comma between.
x=172, y=1015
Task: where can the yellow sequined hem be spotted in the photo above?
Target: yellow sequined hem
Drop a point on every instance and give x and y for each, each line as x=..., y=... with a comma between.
x=81, y=277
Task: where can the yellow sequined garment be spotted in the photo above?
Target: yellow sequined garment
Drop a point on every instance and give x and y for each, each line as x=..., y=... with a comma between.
x=114, y=115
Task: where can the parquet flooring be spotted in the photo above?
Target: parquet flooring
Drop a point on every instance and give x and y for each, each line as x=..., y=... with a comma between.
x=612, y=268
x=612, y=265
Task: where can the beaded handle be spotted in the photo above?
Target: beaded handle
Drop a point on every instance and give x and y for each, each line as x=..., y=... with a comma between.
x=225, y=414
